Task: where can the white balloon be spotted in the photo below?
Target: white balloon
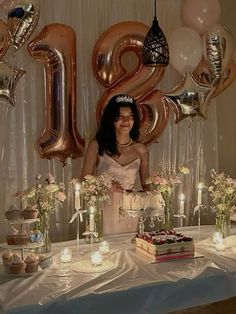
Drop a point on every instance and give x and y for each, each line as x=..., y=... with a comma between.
x=201, y=14
x=185, y=46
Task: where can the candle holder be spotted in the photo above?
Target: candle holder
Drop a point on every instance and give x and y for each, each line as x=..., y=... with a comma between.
x=181, y=217
x=66, y=255
x=197, y=210
x=96, y=258
x=218, y=241
x=104, y=247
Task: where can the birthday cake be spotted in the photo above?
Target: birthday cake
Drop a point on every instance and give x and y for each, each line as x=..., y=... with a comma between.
x=142, y=200
x=164, y=245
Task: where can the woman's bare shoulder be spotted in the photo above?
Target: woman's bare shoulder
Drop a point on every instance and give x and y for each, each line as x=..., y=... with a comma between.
x=141, y=148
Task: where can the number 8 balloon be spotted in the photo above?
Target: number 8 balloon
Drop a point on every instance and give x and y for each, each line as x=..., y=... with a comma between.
x=139, y=83
x=55, y=47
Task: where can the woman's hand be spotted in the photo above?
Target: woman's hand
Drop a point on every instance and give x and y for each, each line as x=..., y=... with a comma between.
x=116, y=186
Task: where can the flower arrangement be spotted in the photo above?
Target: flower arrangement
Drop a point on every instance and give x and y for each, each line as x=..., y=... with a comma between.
x=95, y=189
x=165, y=180
x=223, y=191
x=223, y=194
x=47, y=195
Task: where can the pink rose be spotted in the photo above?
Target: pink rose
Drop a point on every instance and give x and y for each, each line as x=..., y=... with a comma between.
x=61, y=196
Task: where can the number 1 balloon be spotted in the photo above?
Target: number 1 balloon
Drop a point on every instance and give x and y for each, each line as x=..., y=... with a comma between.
x=55, y=47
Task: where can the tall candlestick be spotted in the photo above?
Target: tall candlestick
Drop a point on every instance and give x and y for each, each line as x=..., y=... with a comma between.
x=91, y=219
x=77, y=196
x=199, y=193
x=181, y=203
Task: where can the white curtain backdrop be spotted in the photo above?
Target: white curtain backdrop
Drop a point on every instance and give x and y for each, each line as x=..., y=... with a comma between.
x=189, y=143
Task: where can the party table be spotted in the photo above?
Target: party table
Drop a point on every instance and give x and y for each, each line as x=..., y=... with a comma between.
x=126, y=282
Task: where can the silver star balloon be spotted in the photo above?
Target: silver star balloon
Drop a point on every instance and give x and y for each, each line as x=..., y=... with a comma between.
x=190, y=99
x=9, y=77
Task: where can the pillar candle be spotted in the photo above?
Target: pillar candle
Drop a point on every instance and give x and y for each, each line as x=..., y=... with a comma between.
x=181, y=204
x=77, y=196
x=199, y=193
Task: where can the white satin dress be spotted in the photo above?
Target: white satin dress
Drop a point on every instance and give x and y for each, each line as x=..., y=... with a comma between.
x=126, y=175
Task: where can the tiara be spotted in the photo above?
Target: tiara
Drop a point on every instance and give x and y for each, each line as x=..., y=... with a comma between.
x=124, y=99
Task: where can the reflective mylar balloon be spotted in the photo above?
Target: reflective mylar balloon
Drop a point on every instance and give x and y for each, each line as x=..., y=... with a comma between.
x=55, y=47
x=189, y=99
x=9, y=77
x=204, y=75
x=139, y=82
x=5, y=38
x=155, y=113
x=22, y=19
x=218, y=46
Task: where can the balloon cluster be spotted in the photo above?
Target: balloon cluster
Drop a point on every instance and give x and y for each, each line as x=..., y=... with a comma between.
x=201, y=51
x=55, y=47
x=22, y=18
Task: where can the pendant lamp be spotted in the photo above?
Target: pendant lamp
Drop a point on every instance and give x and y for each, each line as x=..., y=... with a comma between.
x=155, y=48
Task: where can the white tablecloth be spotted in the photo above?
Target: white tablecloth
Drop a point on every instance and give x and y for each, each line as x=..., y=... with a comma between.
x=132, y=286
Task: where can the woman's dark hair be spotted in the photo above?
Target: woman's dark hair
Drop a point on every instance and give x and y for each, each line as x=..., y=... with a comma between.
x=106, y=136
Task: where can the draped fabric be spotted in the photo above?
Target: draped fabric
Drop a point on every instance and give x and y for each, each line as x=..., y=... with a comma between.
x=189, y=143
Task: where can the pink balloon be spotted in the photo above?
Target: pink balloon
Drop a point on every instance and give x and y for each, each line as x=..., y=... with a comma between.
x=201, y=14
x=185, y=46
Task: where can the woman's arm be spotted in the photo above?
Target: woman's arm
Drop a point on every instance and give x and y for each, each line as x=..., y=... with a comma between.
x=144, y=167
x=90, y=159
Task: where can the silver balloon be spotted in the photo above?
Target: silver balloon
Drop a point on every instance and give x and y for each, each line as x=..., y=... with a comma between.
x=218, y=45
x=22, y=20
x=9, y=77
x=190, y=99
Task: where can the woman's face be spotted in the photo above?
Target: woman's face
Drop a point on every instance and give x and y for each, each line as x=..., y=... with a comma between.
x=125, y=121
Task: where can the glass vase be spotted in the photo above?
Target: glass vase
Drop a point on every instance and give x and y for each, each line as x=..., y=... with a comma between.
x=223, y=223
x=44, y=227
x=168, y=214
x=94, y=223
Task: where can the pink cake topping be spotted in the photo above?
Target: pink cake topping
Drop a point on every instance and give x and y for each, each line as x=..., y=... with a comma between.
x=12, y=230
x=7, y=254
x=16, y=259
x=31, y=258
x=12, y=208
x=164, y=237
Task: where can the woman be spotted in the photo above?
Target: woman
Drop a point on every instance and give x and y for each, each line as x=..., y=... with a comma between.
x=116, y=149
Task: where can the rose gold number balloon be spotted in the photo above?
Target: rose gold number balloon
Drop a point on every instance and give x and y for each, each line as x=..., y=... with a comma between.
x=139, y=83
x=5, y=38
x=55, y=47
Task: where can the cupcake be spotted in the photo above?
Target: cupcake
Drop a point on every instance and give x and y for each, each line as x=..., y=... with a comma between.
x=36, y=236
x=22, y=238
x=11, y=236
x=6, y=259
x=31, y=262
x=17, y=266
x=13, y=213
x=30, y=212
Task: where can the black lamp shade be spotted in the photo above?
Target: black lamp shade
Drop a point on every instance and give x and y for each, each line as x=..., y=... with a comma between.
x=155, y=48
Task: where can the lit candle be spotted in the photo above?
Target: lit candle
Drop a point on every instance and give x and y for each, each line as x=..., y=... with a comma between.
x=217, y=237
x=199, y=193
x=91, y=219
x=104, y=247
x=77, y=196
x=181, y=203
x=219, y=241
x=96, y=258
x=66, y=255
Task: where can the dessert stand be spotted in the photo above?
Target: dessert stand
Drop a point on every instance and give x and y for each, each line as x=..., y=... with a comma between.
x=22, y=248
